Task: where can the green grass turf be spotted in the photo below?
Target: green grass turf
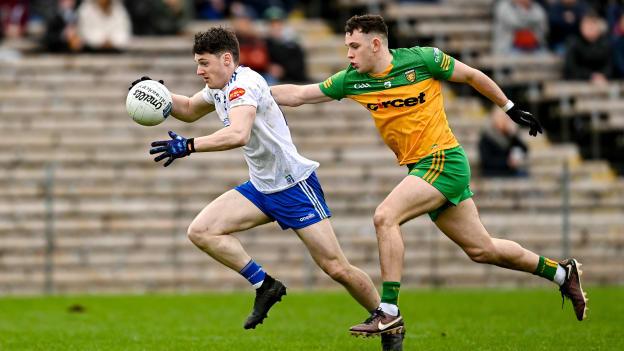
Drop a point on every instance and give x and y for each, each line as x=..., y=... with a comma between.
x=435, y=320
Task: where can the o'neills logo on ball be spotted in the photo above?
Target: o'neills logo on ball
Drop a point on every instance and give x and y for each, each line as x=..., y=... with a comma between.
x=157, y=102
x=236, y=93
x=167, y=110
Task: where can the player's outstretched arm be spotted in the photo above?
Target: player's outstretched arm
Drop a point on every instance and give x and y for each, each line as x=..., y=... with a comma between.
x=235, y=135
x=488, y=88
x=296, y=95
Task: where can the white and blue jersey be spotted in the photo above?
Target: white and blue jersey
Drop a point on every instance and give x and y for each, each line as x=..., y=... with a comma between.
x=282, y=183
x=273, y=160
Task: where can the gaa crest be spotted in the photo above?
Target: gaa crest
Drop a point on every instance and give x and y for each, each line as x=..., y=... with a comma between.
x=410, y=76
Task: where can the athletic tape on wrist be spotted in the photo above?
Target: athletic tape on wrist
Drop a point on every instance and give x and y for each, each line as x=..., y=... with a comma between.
x=508, y=106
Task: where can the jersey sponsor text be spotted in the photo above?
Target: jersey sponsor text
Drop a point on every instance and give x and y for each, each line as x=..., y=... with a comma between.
x=411, y=101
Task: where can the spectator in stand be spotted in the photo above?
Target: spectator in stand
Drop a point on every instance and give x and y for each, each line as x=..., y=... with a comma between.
x=602, y=7
x=211, y=9
x=257, y=7
x=588, y=56
x=618, y=47
x=519, y=26
x=254, y=52
x=62, y=29
x=614, y=8
x=13, y=17
x=502, y=152
x=41, y=10
x=564, y=17
x=286, y=55
x=104, y=25
x=157, y=17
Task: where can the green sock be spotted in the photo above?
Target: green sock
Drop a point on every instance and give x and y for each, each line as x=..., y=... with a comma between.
x=546, y=268
x=390, y=292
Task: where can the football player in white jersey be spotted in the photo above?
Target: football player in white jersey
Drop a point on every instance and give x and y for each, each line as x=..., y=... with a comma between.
x=283, y=186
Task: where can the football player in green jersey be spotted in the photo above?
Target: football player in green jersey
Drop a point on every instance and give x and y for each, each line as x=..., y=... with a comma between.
x=401, y=89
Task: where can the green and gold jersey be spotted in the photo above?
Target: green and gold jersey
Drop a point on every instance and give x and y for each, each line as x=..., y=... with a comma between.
x=405, y=100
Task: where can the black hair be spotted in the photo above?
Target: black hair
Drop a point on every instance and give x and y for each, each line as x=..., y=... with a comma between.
x=216, y=41
x=367, y=24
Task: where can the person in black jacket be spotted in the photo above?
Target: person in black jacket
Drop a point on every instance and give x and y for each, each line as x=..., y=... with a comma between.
x=156, y=17
x=588, y=56
x=502, y=152
x=564, y=17
x=62, y=31
x=286, y=55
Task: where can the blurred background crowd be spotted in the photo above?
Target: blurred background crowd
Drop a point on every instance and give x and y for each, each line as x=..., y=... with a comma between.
x=588, y=34
x=107, y=26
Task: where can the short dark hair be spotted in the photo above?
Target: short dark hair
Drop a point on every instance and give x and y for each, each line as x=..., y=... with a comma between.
x=217, y=41
x=367, y=24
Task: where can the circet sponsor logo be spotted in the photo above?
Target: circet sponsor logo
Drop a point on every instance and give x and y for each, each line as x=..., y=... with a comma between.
x=409, y=102
x=236, y=93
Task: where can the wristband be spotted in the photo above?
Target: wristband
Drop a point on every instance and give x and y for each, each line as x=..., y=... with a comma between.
x=507, y=106
x=190, y=145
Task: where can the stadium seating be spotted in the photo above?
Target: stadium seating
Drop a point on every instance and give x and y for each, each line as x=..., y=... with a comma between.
x=83, y=208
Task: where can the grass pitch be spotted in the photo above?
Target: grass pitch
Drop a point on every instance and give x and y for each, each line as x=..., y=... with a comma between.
x=435, y=320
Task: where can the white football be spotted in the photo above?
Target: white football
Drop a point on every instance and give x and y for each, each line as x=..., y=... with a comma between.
x=149, y=103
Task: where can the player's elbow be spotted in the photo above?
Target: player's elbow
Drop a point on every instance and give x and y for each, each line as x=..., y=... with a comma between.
x=244, y=139
x=296, y=98
x=299, y=101
x=194, y=117
x=186, y=118
x=241, y=138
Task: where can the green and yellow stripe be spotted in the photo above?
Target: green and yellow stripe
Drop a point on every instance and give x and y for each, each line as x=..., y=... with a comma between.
x=328, y=83
x=436, y=168
x=446, y=62
x=550, y=263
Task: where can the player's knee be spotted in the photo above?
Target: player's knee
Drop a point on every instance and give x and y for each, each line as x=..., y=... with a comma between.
x=382, y=217
x=198, y=234
x=194, y=234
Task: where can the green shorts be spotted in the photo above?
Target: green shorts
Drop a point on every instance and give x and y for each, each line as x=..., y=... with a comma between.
x=449, y=172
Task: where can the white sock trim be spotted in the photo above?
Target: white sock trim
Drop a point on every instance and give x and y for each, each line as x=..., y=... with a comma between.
x=389, y=308
x=560, y=275
x=258, y=284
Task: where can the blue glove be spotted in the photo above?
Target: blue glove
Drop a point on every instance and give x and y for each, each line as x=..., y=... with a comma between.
x=177, y=147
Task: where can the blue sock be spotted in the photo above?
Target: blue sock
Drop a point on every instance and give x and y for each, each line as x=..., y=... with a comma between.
x=254, y=273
